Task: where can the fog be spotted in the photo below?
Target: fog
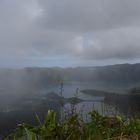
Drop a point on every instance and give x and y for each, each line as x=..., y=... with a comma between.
x=51, y=50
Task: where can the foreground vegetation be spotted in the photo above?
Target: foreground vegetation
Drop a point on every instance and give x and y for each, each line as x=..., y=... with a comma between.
x=73, y=127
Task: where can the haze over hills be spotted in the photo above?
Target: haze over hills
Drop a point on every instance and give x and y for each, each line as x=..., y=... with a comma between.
x=120, y=73
x=41, y=77
x=67, y=50
x=20, y=89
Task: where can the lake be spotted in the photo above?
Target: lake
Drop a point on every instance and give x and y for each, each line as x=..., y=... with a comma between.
x=89, y=103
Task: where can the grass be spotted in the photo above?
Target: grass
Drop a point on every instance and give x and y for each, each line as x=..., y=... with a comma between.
x=73, y=127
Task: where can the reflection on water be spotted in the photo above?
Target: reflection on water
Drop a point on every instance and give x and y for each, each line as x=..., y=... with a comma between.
x=85, y=107
x=69, y=89
x=89, y=103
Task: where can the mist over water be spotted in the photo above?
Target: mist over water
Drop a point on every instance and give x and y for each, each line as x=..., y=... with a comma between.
x=29, y=91
x=84, y=53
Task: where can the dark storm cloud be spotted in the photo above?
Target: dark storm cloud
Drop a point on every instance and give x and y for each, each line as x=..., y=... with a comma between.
x=37, y=30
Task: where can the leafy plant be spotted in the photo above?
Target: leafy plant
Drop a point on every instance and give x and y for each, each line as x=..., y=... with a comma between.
x=72, y=128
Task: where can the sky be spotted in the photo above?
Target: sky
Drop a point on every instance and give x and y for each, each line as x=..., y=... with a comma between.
x=69, y=33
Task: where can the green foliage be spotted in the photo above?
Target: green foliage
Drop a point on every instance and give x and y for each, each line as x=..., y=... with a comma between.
x=72, y=128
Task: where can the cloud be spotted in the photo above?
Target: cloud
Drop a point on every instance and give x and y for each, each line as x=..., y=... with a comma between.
x=123, y=43
x=34, y=31
x=89, y=15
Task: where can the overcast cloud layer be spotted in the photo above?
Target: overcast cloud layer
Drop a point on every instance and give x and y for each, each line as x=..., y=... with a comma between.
x=69, y=32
